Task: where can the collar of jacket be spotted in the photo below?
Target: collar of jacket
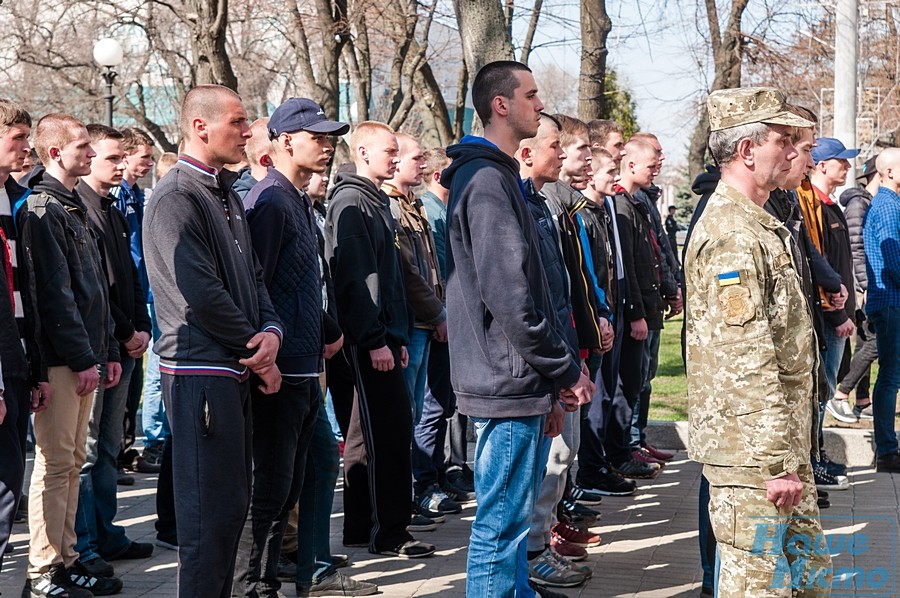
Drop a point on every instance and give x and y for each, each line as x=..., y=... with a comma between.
x=284, y=182
x=44, y=182
x=752, y=210
x=92, y=198
x=392, y=191
x=223, y=179
x=569, y=197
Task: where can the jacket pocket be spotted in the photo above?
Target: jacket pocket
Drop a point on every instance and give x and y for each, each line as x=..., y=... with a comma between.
x=517, y=365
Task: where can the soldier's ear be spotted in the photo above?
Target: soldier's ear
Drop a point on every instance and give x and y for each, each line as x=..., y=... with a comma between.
x=745, y=148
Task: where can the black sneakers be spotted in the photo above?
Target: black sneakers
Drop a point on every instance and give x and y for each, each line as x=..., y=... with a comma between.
x=889, y=463
x=413, y=549
x=637, y=470
x=79, y=577
x=135, y=550
x=54, y=583
x=337, y=584
x=97, y=567
x=583, y=496
x=606, y=483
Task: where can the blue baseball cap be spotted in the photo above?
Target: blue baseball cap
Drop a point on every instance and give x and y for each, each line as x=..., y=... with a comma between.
x=829, y=148
x=302, y=114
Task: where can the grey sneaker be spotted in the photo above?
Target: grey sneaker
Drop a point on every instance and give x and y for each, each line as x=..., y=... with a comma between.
x=547, y=570
x=337, y=584
x=840, y=410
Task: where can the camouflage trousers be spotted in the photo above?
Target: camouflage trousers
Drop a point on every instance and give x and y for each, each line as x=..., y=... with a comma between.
x=766, y=551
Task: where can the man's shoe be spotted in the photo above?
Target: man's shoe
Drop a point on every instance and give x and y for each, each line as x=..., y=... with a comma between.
x=419, y=523
x=864, y=413
x=832, y=467
x=287, y=571
x=889, y=463
x=547, y=570
x=585, y=497
x=567, y=562
x=54, y=583
x=436, y=516
x=582, y=538
x=458, y=493
x=822, y=502
x=98, y=586
x=150, y=460
x=464, y=479
x=167, y=543
x=97, y=566
x=337, y=584
x=840, y=410
x=578, y=515
x=826, y=481
x=637, y=470
x=339, y=561
x=413, y=549
x=545, y=592
x=434, y=499
x=707, y=592
x=606, y=483
x=571, y=551
x=643, y=455
x=659, y=453
x=135, y=550
x=124, y=479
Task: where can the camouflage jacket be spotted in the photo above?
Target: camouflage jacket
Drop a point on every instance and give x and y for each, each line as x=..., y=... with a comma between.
x=750, y=341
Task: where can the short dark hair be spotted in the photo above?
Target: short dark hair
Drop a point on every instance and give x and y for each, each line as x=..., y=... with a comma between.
x=100, y=132
x=134, y=138
x=570, y=127
x=599, y=130
x=492, y=80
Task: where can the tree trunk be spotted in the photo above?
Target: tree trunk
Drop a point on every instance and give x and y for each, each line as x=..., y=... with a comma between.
x=208, y=27
x=595, y=28
x=482, y=40
x=727, y=50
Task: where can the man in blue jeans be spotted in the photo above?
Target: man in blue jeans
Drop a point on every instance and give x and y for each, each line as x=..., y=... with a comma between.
x=510, y=364
x=881, y=238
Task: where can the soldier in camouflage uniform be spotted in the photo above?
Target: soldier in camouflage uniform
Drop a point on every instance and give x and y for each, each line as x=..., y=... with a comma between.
x=750, y=361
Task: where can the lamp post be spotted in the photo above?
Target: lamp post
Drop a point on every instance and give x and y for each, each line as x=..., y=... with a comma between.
x=108, y=54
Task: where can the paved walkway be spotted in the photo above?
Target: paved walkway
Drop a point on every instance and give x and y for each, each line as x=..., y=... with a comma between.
x=649, y=546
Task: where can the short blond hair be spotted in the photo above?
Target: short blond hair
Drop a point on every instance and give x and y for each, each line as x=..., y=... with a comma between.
x=365, y=133
x=259, y=143
x=11, y=114
x=436, y=160
x=165, y=163
x=203, y=101
x=599, y=153
x=133, y=138
x=54, y=130
x=638, y=147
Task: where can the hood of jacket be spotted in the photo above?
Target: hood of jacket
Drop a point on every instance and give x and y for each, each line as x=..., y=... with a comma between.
x=42, y=182
x=855, y=193
x=472, y=148
x=367, y=190
x=706, y=181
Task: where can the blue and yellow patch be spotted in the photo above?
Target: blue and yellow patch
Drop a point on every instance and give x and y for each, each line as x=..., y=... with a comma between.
x=729, y=278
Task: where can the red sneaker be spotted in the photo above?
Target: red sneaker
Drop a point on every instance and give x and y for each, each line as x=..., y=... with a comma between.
x=659, y=453
x=643, y=455
x=573, y=552
x=572, y=534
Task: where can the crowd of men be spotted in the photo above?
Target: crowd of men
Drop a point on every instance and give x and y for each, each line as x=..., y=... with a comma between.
x=517, y=280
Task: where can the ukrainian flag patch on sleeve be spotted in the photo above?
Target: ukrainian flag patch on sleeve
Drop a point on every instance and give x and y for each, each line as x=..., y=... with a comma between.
x=729, y=278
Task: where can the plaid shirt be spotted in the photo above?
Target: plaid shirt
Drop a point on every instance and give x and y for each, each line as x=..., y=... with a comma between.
x=881, y=237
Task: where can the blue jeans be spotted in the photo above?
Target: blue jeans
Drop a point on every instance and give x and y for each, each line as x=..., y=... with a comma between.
x=649, y=364
x=832, y=356
x=332, y=418
x=153, y=412
x=97, y=535
x=428, y=454
x=884, y=397
x=316, y=501
x=416, y=371
x=507, y=471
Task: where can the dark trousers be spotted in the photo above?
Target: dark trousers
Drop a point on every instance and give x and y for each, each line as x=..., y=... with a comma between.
x=12, y=455
x=210, y=419
x=377, y=468
x=282, y=428
x=166, y=528
x=135, y=390
x=857, y=375
x=428, y=451
x=618, y=428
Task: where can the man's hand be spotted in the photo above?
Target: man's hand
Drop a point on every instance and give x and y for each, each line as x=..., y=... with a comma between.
x=578, y=394
x=271, y=380
x=639, y=330
x=846, y=329
x=266, y=345
x=785, y=491
x=404, y=357
x=382, y=359
x=113, y=374
x=40, y=397
x=554, y=424
x=674, y=306
x=440, y=332
x=138, y=344
x=837, y=300
x=333, y=348
x=607, y=335
x=87, y=381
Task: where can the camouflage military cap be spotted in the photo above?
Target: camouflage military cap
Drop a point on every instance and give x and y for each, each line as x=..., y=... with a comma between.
x=745, y=105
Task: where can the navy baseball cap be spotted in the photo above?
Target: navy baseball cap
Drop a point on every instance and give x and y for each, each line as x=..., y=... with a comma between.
x=302, y=114
x=829, y=148
x=868, y=170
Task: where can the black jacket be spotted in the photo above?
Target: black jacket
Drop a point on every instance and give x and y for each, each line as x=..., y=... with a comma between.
x=598, y=226
x=331, y=329
x=362, y=250
x=68, y=290
x=508, y=353
x=641, y=258
x=856, y=202
x=284, y=233
x=12, y=354
x=207, y=284
x=838, y=254
x=126, y=296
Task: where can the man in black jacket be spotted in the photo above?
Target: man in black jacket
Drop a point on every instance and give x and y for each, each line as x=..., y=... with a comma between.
x=362, y=249
x=510, y=363
x=99, y=539
x=217, y=326
x=69, y=295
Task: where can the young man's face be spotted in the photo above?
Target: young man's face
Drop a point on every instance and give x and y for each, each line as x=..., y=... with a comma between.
x=525, y=107
x=836, y=171
x=801, y=165
x=605, y=176
x=411, y=166
x=577, y=165
x=228, y=131
x=642, y=167
x=139, y=162
x=547, y=156
x=383, y=154
x=615, y=145
x=311, y=151
x=317, y=187
x=76, y=155
x=14, y=148
x=108, y=166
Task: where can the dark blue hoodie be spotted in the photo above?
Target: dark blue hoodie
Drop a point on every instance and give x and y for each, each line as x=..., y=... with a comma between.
x=508, y=354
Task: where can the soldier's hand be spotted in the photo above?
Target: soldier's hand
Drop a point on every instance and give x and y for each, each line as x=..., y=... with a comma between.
x=785, y=491
x=382, y=359
x=639, y=330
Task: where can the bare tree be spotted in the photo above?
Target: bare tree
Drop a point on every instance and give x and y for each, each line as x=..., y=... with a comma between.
x=482, y=40
x=595, y=28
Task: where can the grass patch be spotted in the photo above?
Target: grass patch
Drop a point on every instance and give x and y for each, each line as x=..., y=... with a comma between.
x=669, y=399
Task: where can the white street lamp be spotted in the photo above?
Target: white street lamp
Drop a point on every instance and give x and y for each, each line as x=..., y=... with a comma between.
x=108, y=53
